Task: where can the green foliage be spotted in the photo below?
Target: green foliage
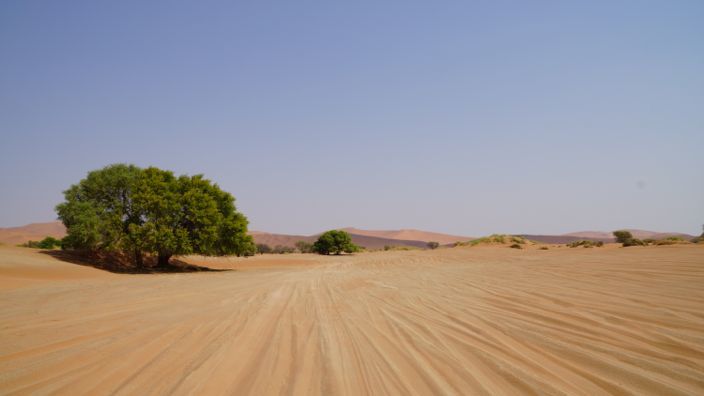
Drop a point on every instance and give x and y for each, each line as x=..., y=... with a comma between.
x=622, y=236
x=433, y=245
x=673, y=240
x=633, y=242
x=586, y=244
x=334, y=242
x=494, y=239
x=46, y=243
x=263, y=248
x=626, y=238
x=126, y=209
x=304, y=247
x=399, y=248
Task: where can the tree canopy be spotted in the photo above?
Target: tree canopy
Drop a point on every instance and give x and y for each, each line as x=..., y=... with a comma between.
x=622, y=236
x=334, y=242
x=138, y=211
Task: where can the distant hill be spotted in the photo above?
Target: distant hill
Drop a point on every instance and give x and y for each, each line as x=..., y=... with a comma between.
x=34, y=232
x=279, y=239
x=366, y=241
x=410, y=235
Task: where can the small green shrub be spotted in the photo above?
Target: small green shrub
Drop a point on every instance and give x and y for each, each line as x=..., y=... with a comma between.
x=516, y=246
x=46, y=243
x=433, y=245
x=494, y=239
x=673, y=240
x=586, y=244
x=633, y=242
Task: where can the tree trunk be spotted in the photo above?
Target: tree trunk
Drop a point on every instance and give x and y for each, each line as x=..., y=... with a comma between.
x=138, y=259
x=163, y=260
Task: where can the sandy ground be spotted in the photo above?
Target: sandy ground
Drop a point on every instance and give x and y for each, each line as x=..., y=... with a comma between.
x=451, y=321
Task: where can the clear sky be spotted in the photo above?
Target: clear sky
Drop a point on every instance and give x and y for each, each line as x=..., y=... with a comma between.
x=468, y=117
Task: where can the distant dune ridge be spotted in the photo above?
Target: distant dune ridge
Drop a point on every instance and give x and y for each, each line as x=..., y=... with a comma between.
x=410, y=235
x=370, y=239
x=34, y=232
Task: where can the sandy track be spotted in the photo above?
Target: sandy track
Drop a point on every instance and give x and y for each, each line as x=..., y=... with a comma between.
x=455, y=321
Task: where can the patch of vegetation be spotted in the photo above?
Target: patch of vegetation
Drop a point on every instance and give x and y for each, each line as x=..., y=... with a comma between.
x=46, y=243
x=335, y=242
x=633, y=242
x=152, y=213
x=626, y=239
x=263, y=248
x=586, y=244
x=399, y=248
x=280, y=249
x=304, y=247
x=494, y=239
x=433, y=245
x=516, y=246
x=544, y=248
x=673, y=240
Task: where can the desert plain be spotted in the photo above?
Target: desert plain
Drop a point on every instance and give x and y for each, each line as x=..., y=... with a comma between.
x=480, y=320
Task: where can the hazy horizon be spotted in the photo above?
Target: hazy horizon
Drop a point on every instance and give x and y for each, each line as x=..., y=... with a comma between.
x=467, y=119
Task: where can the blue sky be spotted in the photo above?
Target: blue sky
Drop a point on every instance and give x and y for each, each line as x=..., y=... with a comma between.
x=462, y=117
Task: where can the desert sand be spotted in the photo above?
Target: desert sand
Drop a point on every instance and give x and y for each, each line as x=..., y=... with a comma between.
x=484, y=320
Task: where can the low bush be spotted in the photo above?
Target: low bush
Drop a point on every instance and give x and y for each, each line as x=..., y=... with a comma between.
x=46, y=243
x=633, y=242
x=544, y=248
x=494, y=239
x=399, y=248
x=433, y=245
x=516, y=246
x=673, y=240
x=626, y=239
x=586, y=244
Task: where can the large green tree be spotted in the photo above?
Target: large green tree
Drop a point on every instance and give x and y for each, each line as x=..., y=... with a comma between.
x=334, y=242
x=151, y=211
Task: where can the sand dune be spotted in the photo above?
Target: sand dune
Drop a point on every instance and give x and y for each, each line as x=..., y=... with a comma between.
x=34, y=232
x=369, y=242
x=410, y=235
x=451, y=321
